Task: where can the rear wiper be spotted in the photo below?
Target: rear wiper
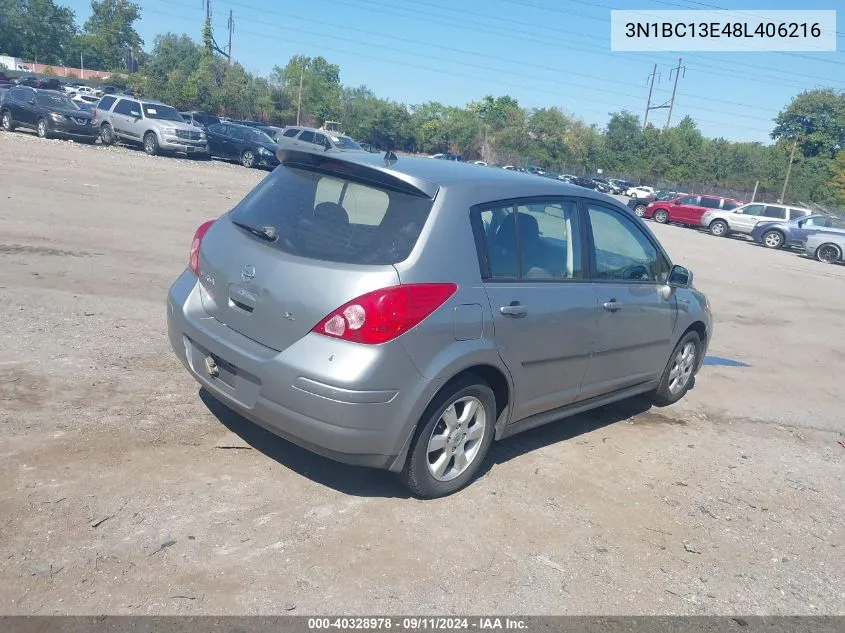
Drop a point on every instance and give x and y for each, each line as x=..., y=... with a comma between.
x=264, y=232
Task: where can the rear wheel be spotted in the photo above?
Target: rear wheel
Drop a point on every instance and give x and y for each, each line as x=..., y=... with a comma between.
x=452, y=439
x=829, y=253
x=43, y=128
x=6, y=121
x=248, y=159
x=661, y=216
x=634, y=195
x=107, y=134
x=719, y=228
x=150, y=143
x=639, y=210
x=773, y=239
x=678, y=376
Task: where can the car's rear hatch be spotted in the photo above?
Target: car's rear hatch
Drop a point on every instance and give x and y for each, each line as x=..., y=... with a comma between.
x=305, y=241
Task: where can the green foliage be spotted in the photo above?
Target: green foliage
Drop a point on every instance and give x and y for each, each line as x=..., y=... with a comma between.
x=109, y=35
x=37, y=30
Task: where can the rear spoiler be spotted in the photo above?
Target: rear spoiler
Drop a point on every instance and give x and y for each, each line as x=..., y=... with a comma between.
x=373, y=169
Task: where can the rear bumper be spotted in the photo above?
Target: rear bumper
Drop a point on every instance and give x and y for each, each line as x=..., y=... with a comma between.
x=303, y=393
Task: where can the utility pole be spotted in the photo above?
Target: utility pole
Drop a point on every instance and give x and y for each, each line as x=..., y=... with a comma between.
x=788, y=170
x=650, y=90
x=677, y=71
x=231, y=30
x=81, y=67
x=754, y=195
x=299, y=101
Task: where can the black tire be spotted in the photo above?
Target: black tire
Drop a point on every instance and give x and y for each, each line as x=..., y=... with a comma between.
x=661, y=216
x=639, y=210
x=248, y=159
x=6, y=121
x=829, y=253
x=719, y=228
x=107, y=134
x=416, y=475
x=773, y=239
x=634, y=195
x=663, y=395
x=151, y=144
x=42, y=128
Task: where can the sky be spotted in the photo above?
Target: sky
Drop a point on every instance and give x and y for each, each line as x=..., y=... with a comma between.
x=543, y=52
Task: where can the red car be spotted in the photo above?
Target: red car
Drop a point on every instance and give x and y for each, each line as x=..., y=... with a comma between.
x=687, y=209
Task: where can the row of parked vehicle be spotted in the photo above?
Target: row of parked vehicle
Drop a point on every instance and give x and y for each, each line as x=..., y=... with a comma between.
x=157, y=127
x=775, y=226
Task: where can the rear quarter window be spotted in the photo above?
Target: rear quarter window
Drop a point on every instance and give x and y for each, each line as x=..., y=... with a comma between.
x=331, y=218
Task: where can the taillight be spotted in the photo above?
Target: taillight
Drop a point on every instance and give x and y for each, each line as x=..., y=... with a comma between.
x=194, y=257
x=382, y=315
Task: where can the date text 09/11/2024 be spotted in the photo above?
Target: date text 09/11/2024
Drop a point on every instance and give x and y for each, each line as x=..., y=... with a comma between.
x=417, y=623
x=720, y=29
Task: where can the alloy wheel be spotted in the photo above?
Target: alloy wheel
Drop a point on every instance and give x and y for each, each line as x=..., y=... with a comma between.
x=7, y=121
x=661, y=216
x=828, y=253
x=718, y=228
x=42, y=128
x=248, y=159
x=773, y=239
x=639, y=210
x=456, y=439
x=682, y=368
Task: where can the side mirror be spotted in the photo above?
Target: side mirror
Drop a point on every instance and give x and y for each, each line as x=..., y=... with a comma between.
x=679, y=277
x=135, y=114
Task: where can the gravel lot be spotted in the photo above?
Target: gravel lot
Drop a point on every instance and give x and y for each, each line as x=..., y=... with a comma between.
x=125, y=490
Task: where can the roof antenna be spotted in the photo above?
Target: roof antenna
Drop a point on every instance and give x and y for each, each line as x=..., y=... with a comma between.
x=390, y=157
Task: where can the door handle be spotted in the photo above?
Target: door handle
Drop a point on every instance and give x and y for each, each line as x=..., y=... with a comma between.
x=611, y=306
x=514, y=310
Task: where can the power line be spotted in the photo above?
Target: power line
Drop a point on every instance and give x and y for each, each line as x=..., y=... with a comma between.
x=440, y=70
x=556, y=81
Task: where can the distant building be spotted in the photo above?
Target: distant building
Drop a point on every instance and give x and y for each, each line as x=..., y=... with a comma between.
x=15, y=63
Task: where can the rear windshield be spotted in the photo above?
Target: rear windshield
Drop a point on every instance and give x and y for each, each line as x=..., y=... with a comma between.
x=330, y=218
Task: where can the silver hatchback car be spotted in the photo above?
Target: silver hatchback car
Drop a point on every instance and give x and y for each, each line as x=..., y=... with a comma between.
x=405, y=313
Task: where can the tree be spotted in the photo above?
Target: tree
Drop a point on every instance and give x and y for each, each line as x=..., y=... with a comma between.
x=320, y=82
x=37, y=29
x=109, y=36
x=817, y=118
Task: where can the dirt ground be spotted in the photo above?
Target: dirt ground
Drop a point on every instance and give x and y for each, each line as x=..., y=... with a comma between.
x=126, y=490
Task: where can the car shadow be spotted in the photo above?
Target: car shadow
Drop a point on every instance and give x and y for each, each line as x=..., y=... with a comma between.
x=368, y=482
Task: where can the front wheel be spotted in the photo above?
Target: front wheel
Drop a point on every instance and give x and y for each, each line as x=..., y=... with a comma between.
x=678, y=376
x=661, y=216
x=43, y=128
x=452, y=439
x=6, y=121
x=634, y=195
x=719, y=228
x=772, y=239
x=151, y=144
x=248, y=159
x=829, y=253
x=107, y=134
x=639, y=210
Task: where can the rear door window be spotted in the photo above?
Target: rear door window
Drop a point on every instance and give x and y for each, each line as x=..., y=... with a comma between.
x=729, y=205
x=795, y=214
x=710, y=203
x=125, y=106
x=774, y=212
x=307, y=136
x=291, y=133
x=327, y=217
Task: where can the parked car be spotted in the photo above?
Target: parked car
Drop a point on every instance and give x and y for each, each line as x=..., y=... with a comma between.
x=248, y=145
x=539, y=171
x=448, y=156
x=30, y=81
x=199, y=119
x=155, y=126
x=687, y=209
x=369, y=147
x=483, y=164
x=623, y=185
x=49, y=113
x=746, y=217
x=378, y=346
x=273, y=132
x=587, y=183
x=565, y=177
x=602, y=185
x=5, y=82
x=297, y=137
x=108, y=90
x=638, y=205
x=639, y=191
x=792, y=233
x=86, y=98
x=826, y=247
